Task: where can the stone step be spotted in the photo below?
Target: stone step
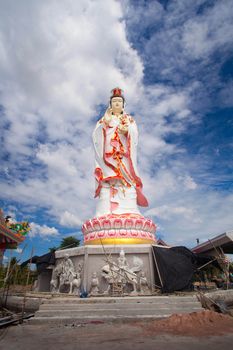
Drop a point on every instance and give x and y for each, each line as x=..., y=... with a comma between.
x=79, y=319
x=92, y=319
x=74, y=310
x=120, y=300
x=114, y=312
x=112, y=306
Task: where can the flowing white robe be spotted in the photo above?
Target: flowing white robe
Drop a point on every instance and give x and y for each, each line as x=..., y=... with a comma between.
x=118, y=184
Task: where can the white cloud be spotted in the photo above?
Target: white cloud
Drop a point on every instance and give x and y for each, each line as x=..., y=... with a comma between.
x=61, y=160
x=56, y=75
x=52, y=81
x=70, y=220
x=59, y=61
x=190, y=183
x=185, y=218
x=226, y=95
x=43, y=231
x=204, y=33
x=167, y=212
x=179, y=42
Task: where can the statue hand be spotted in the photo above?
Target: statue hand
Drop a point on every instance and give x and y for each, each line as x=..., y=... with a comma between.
x=123, y=129
x=108, y=115
x=124, y=124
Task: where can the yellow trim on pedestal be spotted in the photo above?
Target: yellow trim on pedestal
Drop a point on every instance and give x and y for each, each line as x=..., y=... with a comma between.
x=114, y=241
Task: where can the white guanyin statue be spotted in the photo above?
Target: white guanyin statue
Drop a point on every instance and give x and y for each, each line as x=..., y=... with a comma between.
x=118, y=185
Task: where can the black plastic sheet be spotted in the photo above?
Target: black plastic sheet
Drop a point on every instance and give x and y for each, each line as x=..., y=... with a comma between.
x=176, y=267
x=42, y=262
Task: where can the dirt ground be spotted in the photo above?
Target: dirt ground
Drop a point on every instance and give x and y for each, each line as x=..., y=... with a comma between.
x=203, y=330
x=196, y=324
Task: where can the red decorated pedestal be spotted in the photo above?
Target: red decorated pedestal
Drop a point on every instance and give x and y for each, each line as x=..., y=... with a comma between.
x=119, y=229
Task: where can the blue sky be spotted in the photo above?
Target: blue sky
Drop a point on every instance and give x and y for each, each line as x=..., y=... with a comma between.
x=58, y=64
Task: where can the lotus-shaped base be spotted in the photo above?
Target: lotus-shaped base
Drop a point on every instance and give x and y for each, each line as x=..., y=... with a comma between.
x=119, y=229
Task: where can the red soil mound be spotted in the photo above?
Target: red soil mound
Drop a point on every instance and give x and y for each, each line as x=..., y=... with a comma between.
x=201, y=323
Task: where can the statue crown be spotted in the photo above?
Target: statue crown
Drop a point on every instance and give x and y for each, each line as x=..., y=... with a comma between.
x=117, y=92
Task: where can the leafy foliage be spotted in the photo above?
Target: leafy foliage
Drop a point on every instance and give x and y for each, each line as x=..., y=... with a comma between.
x=16, y=275
x=69, y=242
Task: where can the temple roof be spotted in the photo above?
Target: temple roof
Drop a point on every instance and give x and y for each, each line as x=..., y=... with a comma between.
x=8, y=238
x=223, y=241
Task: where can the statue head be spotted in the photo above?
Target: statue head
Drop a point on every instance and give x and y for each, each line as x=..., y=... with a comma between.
x=122, y=253
x=66, y=256
x=117, y=100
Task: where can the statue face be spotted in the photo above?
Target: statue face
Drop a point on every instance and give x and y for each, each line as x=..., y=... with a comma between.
x=122, y=253
x=117, y=104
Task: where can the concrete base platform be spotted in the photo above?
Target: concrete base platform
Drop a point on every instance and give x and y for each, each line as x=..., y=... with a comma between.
x=93, y=258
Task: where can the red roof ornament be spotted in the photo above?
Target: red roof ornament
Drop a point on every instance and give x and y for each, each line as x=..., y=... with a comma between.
x=117, y=92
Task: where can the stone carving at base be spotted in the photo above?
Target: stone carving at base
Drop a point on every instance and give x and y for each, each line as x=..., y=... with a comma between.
x=143, y=284
x=119, y=274
x=35, y=287
x=64, y=275
x=94, y=285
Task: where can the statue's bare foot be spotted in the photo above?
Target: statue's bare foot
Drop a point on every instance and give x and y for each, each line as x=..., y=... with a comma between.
x=134, y=292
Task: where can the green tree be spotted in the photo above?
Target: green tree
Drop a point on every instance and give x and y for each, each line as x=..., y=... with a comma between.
x=53, y=249
x=69, y=242
x=16, y=275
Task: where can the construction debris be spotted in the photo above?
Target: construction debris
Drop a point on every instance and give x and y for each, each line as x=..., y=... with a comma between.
x=219, y=301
